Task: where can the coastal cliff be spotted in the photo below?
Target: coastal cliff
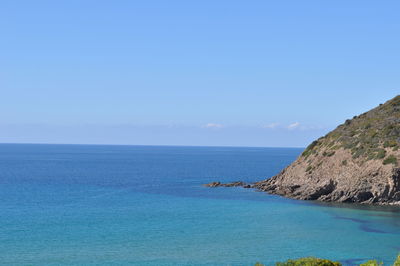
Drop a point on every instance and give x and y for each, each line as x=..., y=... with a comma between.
x=356, y=162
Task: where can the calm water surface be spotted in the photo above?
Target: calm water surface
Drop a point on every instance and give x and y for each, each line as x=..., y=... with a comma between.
x=144, y=205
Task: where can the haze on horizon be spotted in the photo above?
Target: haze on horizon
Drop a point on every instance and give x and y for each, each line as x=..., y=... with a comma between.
x=214, y=73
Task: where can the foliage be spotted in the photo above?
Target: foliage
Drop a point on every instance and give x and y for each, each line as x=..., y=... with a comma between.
x=310, y=148
x=309, y=262
x=390, y=143
x=381, y=154
x=328, y=153
x=390, y=160
x=371, y=263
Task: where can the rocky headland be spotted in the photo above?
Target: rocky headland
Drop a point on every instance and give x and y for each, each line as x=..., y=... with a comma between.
x=357, y=162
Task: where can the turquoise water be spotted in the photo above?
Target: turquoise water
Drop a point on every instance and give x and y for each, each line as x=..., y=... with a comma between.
x=143, y=205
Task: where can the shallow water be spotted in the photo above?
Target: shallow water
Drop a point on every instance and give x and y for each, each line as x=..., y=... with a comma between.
x=144, y=205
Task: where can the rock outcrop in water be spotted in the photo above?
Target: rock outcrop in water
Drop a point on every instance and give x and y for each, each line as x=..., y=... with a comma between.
x=356, y=162
x=233, y=184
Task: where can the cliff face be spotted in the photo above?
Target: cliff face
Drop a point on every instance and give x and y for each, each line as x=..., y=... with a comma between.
x=356, y=162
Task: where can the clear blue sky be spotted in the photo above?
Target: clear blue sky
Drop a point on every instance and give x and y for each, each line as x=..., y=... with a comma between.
x=240, y=73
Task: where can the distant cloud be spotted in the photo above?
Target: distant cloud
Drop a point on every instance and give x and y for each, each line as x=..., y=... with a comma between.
x=213, y=125
x=272, y=125
x=293, y=125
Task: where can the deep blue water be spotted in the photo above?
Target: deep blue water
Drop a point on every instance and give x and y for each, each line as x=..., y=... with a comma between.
x=144, y=205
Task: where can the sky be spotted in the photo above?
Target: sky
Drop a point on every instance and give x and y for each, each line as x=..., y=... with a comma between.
x=208, y=73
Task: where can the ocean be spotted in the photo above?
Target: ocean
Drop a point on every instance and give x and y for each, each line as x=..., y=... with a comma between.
x=145, y=205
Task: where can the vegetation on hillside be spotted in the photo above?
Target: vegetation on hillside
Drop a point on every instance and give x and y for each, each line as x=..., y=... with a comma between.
x=370, y=135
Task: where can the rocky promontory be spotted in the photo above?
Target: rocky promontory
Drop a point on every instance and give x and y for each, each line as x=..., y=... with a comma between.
x=356, y=162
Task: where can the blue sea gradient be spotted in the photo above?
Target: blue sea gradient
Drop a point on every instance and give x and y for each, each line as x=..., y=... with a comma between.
x=145, y=205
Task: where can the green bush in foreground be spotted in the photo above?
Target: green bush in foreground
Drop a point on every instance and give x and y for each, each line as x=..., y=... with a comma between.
x=309, y=262
x=371, y=263
x=322, y=262
x=397, y=262
x=305, y=262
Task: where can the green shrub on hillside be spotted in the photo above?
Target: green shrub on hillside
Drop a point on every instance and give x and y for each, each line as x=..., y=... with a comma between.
x=328, y=153
x=390, y=160
x=309, y=168
x=309, y=149
x=381, y=154
x=390, y=143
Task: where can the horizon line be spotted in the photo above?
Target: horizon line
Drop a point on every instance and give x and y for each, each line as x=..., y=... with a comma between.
x=147, y=145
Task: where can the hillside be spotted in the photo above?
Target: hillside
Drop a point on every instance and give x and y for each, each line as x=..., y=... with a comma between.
x=356, y=162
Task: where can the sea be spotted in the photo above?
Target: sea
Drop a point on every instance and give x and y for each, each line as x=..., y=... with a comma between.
x=145, y=205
